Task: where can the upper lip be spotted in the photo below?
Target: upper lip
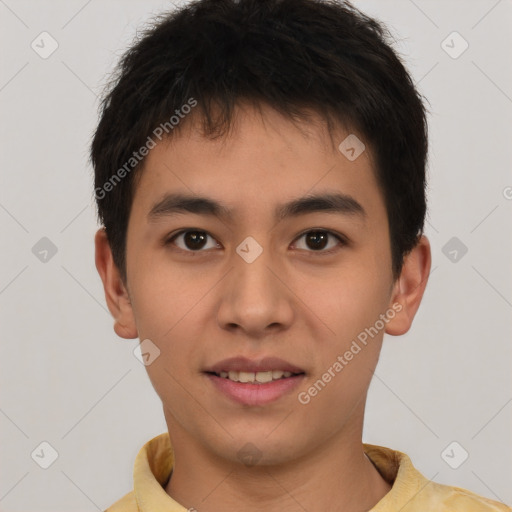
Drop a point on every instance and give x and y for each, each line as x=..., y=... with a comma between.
x=242, y=364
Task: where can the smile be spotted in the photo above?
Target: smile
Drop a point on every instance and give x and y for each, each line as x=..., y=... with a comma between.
x=255, y=377
x=254, y=388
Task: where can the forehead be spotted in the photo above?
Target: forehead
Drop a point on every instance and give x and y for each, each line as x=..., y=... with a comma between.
x=264, y=160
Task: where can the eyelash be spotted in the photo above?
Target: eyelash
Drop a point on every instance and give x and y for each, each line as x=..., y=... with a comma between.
x=343, y=241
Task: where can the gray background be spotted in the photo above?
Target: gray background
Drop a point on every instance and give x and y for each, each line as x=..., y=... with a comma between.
x=67, y=379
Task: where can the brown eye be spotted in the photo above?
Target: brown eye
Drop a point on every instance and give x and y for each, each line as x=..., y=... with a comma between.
x=318, y=240
x=192, y=240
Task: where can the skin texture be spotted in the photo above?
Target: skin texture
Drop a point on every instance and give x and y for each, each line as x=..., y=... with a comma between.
x=292, y=302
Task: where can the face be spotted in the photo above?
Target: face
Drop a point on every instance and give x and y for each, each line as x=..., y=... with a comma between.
x=208, y=284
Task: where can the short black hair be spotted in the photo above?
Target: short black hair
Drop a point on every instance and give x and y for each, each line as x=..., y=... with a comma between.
x=292, y=55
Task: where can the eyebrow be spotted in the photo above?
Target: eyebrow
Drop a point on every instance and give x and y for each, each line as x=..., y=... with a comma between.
x=173, y=204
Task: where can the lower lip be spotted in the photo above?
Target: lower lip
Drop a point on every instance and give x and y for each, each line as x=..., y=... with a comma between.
x=247, y=393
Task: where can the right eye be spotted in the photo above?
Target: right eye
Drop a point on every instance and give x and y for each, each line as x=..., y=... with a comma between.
x=192, y=240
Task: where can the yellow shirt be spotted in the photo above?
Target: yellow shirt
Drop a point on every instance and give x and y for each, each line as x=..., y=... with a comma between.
x=410, y=492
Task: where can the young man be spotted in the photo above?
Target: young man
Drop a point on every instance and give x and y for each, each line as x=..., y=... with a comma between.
x=260, y=176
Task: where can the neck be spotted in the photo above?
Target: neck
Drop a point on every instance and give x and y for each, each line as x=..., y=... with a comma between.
x=336, y=476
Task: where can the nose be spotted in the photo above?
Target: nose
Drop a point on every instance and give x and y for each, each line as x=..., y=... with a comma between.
x=255, y=297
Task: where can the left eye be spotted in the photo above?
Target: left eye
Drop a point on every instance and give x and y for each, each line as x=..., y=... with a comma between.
x=317, y=240
x=196, y=240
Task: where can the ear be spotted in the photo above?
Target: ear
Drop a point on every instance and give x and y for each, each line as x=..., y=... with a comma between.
x=409, y=287
x=116, y=294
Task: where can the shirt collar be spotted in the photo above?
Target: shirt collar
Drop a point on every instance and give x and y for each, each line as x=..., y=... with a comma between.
x=153, y=466
x=397, y=469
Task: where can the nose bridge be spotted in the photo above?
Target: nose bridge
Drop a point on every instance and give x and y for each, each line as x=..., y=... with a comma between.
x=255, y=299
x=251, y=274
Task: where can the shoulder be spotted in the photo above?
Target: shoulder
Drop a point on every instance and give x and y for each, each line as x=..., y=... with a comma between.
x=412, y=492
x=127, y=503
x=456, y=499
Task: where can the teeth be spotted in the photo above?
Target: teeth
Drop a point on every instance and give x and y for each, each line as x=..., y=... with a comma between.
x=264, y=376
x=255, y=377
x=246, y=377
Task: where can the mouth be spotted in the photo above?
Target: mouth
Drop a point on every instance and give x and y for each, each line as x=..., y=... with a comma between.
x=250, y=382
x=255, y=377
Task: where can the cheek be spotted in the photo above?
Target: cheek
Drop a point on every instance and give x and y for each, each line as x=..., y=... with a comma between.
x=176, y=365
x=163, y=312
x=348, y=359
x=162, y=296
x=351, y=306
x=353, y=301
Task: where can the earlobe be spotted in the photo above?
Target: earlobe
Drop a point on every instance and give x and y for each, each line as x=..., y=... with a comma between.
x=116, y=294
x=409, y=287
